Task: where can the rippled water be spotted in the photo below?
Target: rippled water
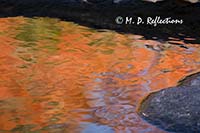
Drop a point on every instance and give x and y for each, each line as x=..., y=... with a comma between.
x=59, y=77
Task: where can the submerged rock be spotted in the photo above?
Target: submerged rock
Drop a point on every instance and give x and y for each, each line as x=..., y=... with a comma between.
x=175, y=109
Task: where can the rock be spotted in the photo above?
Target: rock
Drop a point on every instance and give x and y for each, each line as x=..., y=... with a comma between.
x=192, y=1
x=102, y=14
x=175, y=109
x=192, y=80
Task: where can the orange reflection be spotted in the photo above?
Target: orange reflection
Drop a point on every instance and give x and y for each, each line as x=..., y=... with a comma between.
x=58, y=76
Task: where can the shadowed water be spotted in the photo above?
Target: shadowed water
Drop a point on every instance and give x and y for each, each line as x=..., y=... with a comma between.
x=60, y=77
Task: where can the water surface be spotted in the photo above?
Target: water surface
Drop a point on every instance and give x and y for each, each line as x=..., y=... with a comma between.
x=61, y=77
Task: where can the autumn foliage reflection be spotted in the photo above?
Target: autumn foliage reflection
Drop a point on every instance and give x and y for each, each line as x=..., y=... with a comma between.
x=58, y=76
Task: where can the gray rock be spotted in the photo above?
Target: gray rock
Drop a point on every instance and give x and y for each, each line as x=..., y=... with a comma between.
x=125, y=1
x=192, y=1
x=175, y=109
x=119, y=1
x=192, y=80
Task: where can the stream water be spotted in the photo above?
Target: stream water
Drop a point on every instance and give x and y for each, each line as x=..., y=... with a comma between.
x=60, y=77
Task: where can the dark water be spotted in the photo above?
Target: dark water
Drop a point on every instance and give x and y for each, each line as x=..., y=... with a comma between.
x=59, y=77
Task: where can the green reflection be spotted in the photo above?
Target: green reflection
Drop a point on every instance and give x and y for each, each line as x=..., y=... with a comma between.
x=40, y=33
